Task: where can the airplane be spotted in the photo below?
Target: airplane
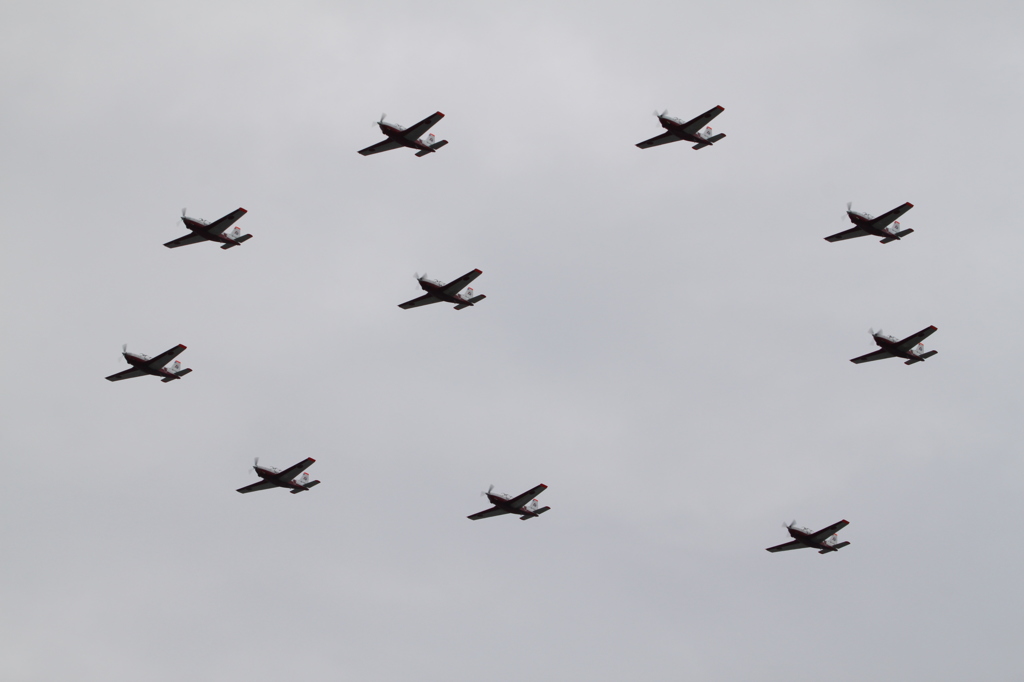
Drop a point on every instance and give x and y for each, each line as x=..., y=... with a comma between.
x=143, y=365
x=910, y=348
x=867, y=224
x=438, y=291
x=217, y=231
x=275, y=478
x=503, y=504
x=821, y=541
x=402, y=137
x=689, y=130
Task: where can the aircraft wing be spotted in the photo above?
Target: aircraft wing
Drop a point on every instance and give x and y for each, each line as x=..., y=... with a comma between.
x=262, y=485
x=296, y=469
x=417, y=131
x=165, y=357
x=886, y=218
x=914, y=339
x=455, y=286
x=520, y=500
x=847, y=234
x=871, y=357
x=786, y=546
x=493, y=511
x=127, y=374
x=426, y=299
x=191, y=238
x=222, y=224
x=664, y=138
x=696, y=124
x=825, y=533
x=385, y=146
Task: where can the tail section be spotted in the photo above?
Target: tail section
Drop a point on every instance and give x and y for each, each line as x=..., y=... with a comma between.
x=306, y=487
x=920, y=358
x=469, y=302
x=898, y=235
x=709, y=141
x=833, y=548
x=239, y=240
x=177, y=374
x=433, y=147
x=536, y=512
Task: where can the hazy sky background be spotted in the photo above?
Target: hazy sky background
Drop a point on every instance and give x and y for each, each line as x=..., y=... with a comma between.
x=665, y=342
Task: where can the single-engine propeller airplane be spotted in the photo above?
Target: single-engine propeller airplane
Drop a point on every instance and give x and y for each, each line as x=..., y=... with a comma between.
x=438, y=291
x=217, y=231
x=275, y=478
x=824, y=540
x=909, y=348
x=522, y=505
x=397, y=136
x=689, y=131
x=885, y=226
x=143, y=365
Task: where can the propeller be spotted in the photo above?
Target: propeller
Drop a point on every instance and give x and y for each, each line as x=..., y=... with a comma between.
x=419, y=276
x=124, y=348
x=873, y=332
x=661, y=114
x=790, y=524
x=256, y=463
x=380, y=121
x=489, y=489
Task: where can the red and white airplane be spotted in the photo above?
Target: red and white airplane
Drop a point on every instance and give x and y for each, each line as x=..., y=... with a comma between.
x=275, y=478
x=824, y=540
x=689, y=131
x=867, y=224
x=143, y=365
x=402, y=137
x=520, y=505
x=217, y=231
x=909, y=348
x=438, y=291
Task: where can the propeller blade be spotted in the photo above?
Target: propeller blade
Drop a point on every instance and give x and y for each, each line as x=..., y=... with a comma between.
x=124, y=348
x=489, y=489
x=183, y=212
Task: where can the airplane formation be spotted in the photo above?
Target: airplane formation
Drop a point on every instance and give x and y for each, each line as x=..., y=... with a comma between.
x=525, y=506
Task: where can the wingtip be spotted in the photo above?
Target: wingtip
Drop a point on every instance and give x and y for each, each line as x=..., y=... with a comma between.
x=242, y=209
x=182, y=346
x=440, y=114
x=478, y=271
x=909, y=204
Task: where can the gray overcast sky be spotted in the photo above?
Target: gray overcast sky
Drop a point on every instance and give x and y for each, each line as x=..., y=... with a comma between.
x=665, y=342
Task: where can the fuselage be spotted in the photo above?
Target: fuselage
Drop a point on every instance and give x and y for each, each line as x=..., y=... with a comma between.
x=867, y=223
x=804, y=538
x=438, y=290
x=676, y=128
x=142, y=364
x=275, y=478
x=202, y=228
x=397, y=133
x=891, y=346
x=499, y=501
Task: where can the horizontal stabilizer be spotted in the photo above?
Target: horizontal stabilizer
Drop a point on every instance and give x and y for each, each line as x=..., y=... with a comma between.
x=840, y=545
x=536, y=512
x=244, y=237
x=710, y=140
x=470, y=302
x=920, y=358
x=433, y=147
x=166, y=379
x=306, y=487
x=184, y=372
x=894, y=237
